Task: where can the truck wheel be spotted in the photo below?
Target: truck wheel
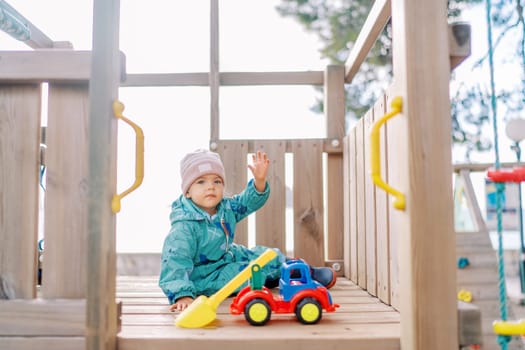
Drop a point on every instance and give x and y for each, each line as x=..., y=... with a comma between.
x=257, y=312
x=308, y=311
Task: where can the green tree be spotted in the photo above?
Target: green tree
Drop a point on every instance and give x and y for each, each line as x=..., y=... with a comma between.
x=337, y=24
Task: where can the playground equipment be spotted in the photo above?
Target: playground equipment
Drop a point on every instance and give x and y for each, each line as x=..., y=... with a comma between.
x=372, y=243
x=298, y=293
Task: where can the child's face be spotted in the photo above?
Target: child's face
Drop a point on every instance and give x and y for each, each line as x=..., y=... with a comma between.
x=206, y=192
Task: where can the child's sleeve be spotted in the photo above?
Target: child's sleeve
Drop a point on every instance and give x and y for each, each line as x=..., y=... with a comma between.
x=177, y=265
x=249, y=200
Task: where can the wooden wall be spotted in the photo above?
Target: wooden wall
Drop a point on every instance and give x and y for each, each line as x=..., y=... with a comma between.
x=370, y=239
x=309, y=236
x=51, y=315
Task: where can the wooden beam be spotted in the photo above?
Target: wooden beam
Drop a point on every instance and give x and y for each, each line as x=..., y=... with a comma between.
x=226, y=79
x=328, y=145
x=374, y=24
x=101, y=325
x=42, y=317
x=214, y=77
x=37, y=40
x=48, y=65
x=272, y=78
x=427, y=249
x=166, y=79
x=459, y=39
x=484, y=166
x=334, y=108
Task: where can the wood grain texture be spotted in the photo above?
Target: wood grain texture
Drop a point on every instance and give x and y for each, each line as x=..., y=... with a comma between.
x=271, y=218
x=234, y=159
x=308, y=203
x=334, y=107
x=66, y=204
x=19, y=189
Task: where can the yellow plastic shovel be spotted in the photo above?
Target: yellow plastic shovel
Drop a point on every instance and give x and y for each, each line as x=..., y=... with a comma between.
x=203, y=309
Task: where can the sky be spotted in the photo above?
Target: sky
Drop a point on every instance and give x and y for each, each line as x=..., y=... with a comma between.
x=159, y=36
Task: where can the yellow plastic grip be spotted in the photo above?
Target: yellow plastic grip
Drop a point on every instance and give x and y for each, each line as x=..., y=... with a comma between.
x=118, y=108
x=375, y=161
x=509, y=328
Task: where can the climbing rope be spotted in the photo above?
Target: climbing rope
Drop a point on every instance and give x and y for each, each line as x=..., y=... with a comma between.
x=500, y=186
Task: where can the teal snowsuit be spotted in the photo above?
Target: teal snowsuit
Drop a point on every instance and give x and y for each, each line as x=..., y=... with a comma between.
x=199, y=256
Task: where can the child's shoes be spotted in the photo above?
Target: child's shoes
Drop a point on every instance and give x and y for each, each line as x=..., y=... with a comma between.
x=324, y=275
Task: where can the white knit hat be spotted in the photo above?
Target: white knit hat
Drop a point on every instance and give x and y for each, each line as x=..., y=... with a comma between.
x=199, y=163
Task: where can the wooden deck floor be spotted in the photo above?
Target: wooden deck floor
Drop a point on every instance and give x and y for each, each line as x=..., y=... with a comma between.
x=361, y=322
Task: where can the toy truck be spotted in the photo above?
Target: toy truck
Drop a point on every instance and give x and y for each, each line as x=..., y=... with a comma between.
x=298, y=293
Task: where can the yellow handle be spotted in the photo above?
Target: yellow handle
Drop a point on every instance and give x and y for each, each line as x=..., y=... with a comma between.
x=217, y=298
x=375, y=162
x=118, y=108
x=509, y=328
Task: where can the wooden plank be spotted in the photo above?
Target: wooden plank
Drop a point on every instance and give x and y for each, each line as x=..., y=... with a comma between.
x=361, y=322
x=233, y=157
x=271, y=219
x=19, y=183
x=472, y=201
x=347, y=168
x=58, y=65
x=361, y=172
x=330, y=335
x=372, y=28
x=44, y=65
x=370, y=211
x=349, y=318
x=226, y=79
x=354, y=209
x=394, y=178
x=101, y=315
x=382, y=214
x=214, y=79
x=65, y=256
x=38, y=317
x=272, y=78
x=55, y=343
x=426, y=227
x=483, y=166
x=308, y=202
x=327, y=144
x=334, y=107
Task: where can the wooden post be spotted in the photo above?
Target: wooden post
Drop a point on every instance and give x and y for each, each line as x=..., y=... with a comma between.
x=334, y=92
x=103, y=90
x=426, y=227
x=214, y=77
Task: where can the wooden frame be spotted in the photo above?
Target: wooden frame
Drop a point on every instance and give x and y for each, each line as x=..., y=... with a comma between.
x=372, y=233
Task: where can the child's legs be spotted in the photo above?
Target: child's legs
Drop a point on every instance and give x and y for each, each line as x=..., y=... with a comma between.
x=271, y=270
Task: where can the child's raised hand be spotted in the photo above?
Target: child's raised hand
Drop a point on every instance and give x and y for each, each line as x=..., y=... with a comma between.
x=259, y=169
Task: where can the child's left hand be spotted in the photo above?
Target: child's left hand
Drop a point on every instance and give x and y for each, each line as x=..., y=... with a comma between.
x=259, y=169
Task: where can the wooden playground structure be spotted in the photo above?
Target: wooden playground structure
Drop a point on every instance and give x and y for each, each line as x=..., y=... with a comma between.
x=397, y=265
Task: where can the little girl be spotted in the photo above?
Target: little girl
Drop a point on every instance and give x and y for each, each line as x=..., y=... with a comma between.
x=199, y=256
